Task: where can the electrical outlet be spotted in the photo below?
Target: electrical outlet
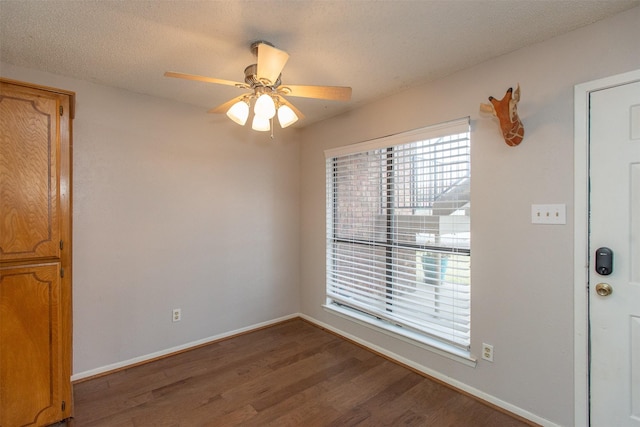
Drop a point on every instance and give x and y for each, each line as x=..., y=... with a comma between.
x=549, y=214
x=487, y=352
x=177, y=315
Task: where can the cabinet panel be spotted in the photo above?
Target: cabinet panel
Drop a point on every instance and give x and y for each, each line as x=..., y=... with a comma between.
x=35, y=251
x=29, y=181
x=31, y=345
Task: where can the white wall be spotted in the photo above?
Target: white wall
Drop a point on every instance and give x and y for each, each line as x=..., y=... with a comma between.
x=522, y=274
x=173, y=207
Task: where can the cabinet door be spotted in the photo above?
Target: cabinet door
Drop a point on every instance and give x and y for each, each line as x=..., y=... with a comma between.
x=29, y=178
x=31, y=390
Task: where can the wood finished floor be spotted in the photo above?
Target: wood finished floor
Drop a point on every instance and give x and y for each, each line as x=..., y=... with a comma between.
x=290, y=374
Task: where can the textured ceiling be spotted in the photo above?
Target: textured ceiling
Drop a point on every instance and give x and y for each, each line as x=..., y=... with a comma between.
x=376, y=47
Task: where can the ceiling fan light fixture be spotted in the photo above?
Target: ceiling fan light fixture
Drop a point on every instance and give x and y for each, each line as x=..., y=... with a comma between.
x=260, y=124
x=286, y=116
x=239, y=112
x=264, y=81
x=265, y=107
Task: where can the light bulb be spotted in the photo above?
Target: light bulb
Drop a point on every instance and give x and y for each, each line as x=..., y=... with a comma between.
x=286, y=116
x=265, y=107
x=239, y=112
x=260, y=124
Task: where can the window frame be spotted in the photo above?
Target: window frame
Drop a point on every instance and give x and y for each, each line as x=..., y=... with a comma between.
x=333, y=304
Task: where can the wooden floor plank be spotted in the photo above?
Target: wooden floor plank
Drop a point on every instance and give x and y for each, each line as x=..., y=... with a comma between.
x=289, y=374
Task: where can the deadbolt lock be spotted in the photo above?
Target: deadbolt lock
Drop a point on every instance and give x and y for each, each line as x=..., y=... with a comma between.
x=604, y=289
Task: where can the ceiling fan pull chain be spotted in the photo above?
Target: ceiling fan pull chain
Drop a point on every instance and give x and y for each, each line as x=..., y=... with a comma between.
x=271, y=126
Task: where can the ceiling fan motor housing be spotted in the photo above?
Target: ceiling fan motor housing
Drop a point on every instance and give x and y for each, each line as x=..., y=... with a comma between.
x=251, y=78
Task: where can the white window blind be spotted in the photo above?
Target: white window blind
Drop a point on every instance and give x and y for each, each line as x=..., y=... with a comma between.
x=398, y=230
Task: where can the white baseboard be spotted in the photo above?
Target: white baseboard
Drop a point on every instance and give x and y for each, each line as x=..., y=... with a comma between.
x=136, y=360
x=437, y=375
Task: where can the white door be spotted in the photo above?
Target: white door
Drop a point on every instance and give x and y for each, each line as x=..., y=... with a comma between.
x=614, y=154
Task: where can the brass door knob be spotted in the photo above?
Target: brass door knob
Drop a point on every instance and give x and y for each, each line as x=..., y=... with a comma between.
x=604, y=289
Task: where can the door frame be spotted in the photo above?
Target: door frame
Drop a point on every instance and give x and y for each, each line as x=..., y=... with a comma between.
x=581, y=237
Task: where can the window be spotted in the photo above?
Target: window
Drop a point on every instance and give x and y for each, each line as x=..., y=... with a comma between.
x=398, y=231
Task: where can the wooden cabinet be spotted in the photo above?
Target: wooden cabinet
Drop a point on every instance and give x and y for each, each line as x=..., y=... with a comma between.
x=35, y=254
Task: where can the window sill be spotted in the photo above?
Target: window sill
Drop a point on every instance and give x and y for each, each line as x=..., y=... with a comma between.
x=424, y=342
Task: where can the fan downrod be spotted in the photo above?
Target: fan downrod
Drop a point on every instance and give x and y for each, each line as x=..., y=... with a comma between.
x=254, y=46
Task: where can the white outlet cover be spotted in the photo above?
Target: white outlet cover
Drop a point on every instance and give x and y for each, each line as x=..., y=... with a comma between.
x=487, y=352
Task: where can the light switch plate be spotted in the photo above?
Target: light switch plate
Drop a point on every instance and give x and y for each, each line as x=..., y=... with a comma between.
x=549, y=214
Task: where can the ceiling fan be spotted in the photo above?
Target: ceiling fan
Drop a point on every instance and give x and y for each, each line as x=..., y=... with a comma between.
x=267, y=93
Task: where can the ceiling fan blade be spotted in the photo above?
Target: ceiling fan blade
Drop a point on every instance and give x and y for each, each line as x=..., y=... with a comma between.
x=223, y=108
x=204, y=79
x=336, y=93
x=290, y=105
x=271, y=61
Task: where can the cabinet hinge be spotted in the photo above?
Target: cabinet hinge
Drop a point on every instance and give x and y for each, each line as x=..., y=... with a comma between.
x=61, y=244
x=64, y=405
x=62, y=272
x=61, y=110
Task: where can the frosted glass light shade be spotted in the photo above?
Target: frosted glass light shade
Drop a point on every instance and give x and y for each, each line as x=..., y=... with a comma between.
x=286, y=116
x=260, y=124
x=239, y=112
x=265, y=107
